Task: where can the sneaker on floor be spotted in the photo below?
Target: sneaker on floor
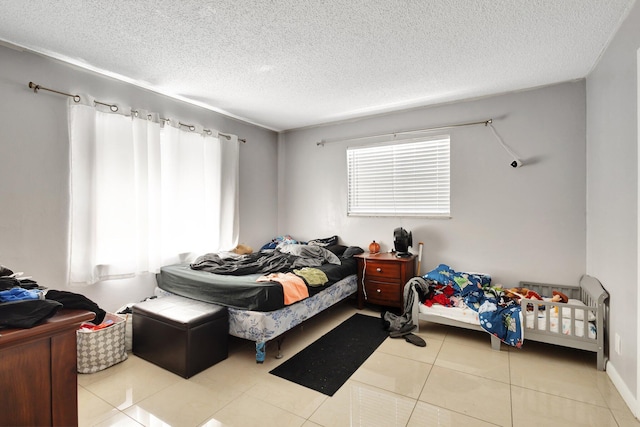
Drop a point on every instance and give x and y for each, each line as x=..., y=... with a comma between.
x=415, y=340
x=404, y=330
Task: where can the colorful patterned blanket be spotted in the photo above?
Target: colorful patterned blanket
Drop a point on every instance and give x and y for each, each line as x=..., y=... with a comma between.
x=499, y=315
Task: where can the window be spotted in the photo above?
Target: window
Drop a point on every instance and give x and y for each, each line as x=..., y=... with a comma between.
x=400, y=179
x=145, y=195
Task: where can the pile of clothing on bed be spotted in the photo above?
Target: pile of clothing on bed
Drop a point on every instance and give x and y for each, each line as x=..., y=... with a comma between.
x=297, y=266
x=498, y=312
x=282, y=259
x=282, y=254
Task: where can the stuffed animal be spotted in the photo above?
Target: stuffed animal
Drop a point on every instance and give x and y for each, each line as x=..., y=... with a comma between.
x=519, y=293
x=242, y=249
x=559, y=297
x=533, y=295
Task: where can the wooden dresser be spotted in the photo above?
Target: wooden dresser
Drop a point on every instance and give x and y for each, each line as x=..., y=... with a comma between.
x=381, y=278
x=38, y=376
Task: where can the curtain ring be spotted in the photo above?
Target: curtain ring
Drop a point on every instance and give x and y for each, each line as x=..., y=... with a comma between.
x=76, y=98
x=114, y=108
x=190, y=127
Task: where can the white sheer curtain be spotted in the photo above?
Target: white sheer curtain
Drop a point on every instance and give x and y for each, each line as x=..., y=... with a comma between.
x=145, y=195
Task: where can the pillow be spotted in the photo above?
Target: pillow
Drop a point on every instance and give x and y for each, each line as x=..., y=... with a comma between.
x=338, y=250
x=4, y=271
x=327, y=241
x=351, y=251
x=311, y=252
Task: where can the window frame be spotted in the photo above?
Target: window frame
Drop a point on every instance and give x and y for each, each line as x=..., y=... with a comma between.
x=383, y=159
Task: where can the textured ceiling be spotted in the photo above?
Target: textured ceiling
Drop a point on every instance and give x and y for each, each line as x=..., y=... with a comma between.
x=294, y=63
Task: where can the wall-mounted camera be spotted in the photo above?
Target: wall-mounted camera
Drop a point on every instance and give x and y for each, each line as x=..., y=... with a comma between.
x=516, y=163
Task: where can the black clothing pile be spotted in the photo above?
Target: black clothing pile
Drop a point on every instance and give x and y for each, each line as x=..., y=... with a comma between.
x=28, y=313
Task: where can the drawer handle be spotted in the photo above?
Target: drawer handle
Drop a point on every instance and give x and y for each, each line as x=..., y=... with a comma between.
x=378, y=269
x=378, y=290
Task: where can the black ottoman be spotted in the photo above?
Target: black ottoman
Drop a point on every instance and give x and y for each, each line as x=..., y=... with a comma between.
x=179, y=334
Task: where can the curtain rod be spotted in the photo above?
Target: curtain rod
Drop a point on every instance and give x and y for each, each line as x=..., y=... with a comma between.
x=114, y=108
x=484, y=122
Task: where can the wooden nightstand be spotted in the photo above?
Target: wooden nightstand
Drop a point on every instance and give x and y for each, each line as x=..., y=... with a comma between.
x=381, y=278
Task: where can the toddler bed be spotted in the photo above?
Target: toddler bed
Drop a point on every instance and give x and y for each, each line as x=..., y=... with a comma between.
x=257, y=310
x=579, y=323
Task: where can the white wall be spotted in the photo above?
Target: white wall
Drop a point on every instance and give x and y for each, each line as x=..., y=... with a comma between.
x=612, y=191
x=34, y=169
x=515, y=224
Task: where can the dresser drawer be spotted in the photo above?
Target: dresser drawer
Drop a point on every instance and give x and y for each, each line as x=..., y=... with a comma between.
x=383, y=270
x=383, y=293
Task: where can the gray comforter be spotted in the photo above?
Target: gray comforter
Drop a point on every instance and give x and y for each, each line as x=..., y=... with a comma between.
x=276, y=261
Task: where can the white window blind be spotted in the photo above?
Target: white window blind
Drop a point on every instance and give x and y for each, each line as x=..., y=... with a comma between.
x=400, y=179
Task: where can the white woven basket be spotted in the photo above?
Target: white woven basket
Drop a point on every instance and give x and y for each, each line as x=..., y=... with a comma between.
x=98, y=350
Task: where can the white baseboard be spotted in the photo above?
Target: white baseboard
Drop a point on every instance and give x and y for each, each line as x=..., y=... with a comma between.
x=624, y=391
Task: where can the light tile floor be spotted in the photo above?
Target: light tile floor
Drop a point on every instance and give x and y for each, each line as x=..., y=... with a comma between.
x=457, y=380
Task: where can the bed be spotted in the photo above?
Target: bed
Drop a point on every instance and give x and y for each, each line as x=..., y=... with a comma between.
x=579, y=323
x=258, y=310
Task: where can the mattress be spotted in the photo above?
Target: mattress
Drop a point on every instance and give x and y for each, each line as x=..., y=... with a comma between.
x=567, y=325
x=240, y=292
x=467, y=315
x=453, y=313
x=262, y=327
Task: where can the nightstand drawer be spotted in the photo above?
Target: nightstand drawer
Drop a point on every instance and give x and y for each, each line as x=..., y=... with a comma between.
x=384, y=270
x=383, y=293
